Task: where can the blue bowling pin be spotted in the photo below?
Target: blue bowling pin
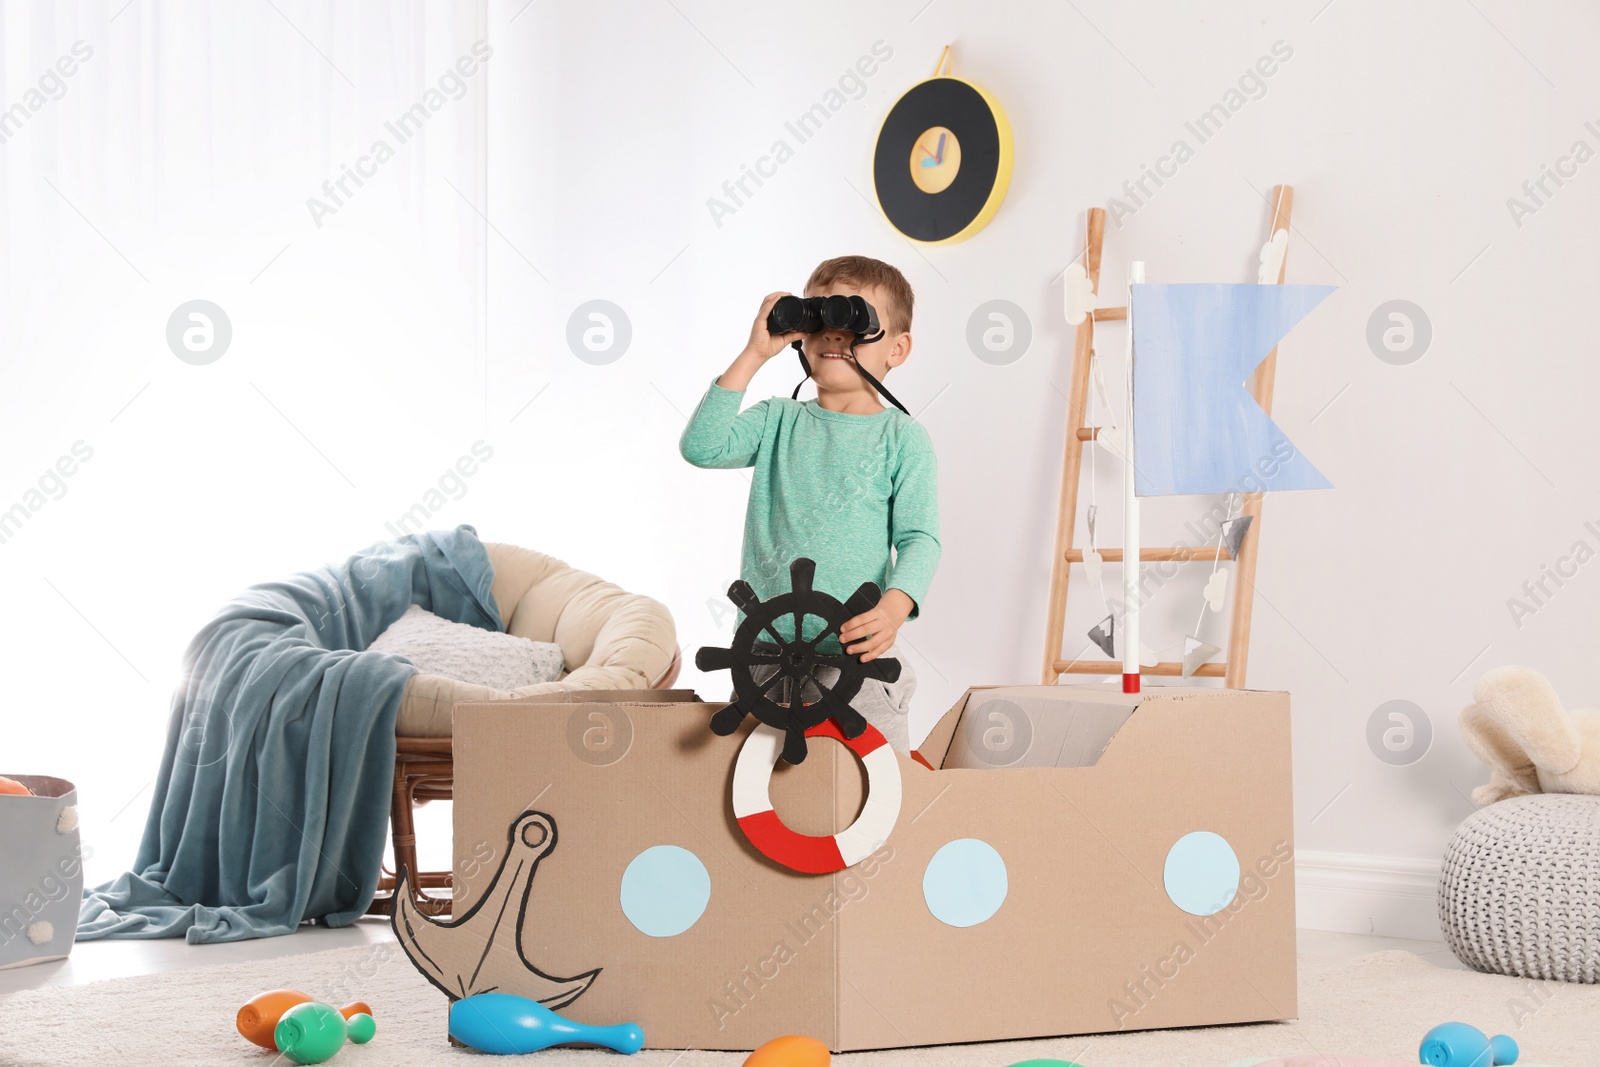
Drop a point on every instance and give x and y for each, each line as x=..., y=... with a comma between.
x=1460, y=1045
x=509, y=1025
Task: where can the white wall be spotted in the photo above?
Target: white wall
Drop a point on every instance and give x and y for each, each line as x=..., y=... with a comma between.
x=1403, y=128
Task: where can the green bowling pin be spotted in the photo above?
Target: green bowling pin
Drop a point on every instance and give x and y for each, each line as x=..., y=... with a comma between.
x=362, y=1027
x=312, y=1032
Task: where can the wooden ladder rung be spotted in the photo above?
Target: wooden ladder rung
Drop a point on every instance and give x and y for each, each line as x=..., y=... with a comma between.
x=1159, y=555
x=1165, y=670
x=1110, y=314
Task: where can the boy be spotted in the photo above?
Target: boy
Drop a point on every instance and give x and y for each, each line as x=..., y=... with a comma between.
x=840, y=480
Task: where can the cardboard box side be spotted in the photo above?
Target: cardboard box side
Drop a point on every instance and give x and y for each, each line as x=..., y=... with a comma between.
x=761, y=959
x=598, y=696
x=1088, y=939
x=856, y=958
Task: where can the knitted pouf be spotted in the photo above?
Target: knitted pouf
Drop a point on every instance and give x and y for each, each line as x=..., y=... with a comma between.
x=1519, y=893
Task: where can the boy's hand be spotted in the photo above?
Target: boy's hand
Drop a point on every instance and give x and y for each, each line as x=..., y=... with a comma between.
x=874, y=631
x=764, y=345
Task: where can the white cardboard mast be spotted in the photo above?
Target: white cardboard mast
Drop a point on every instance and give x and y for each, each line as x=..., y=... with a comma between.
x=1130, y=517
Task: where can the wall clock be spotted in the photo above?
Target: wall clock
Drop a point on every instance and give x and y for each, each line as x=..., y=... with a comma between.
x=943, y=159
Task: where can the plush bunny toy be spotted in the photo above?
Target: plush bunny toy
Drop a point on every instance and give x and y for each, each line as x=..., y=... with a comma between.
x=1530, y=742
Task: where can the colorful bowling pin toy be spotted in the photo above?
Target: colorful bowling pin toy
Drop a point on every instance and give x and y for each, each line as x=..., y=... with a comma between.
x=258, y=1019
x=791, y=1050
x=1460, y=1045
x=362, y=1028
x=509, y=1025
x=357, y=1007
x=311, y=1032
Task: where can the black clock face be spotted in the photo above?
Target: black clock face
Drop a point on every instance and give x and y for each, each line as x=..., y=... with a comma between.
x=938, y=160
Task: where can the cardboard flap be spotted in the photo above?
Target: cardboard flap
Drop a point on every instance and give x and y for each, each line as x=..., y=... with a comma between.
x=608, y=696
x=931, y=753
x=587, y=696
x=1038, y=726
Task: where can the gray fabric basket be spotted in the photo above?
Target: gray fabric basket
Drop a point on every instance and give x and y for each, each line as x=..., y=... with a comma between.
x=41, y=871
x=1519, y=893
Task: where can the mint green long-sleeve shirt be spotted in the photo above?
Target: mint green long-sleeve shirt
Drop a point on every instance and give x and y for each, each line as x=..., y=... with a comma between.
x=838, y=489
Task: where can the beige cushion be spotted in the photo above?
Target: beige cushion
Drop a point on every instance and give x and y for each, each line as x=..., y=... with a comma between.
x=609, y=638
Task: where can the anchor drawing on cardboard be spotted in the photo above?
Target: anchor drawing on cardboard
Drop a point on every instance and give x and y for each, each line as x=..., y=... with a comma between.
x=481, y=951
x=479, y=957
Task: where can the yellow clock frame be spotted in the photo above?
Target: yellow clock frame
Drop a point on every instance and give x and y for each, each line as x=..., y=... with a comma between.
x=965, y=204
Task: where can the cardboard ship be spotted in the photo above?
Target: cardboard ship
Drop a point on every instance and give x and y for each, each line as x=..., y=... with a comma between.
x=1064, y=860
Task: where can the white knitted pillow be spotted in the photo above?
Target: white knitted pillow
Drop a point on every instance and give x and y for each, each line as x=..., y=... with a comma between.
x=436, y=645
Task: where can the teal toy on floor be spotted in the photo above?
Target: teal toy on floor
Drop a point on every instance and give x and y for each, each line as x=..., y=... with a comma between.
x=1446, y=1045
x=1460, y=1045
x=509, y=1025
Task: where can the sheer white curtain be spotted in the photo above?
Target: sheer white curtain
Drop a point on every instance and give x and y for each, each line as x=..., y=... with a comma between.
x=166, y=136
x=316, y=171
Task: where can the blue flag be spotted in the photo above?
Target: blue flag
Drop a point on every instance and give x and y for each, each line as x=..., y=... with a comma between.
x=1197, y=429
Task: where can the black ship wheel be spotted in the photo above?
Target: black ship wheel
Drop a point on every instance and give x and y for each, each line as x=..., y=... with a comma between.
x=794, y=661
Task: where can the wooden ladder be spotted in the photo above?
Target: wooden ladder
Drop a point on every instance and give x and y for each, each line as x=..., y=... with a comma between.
x=1232, y=671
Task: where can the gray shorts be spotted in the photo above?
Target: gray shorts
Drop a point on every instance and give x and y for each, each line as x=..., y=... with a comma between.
x=886, y=705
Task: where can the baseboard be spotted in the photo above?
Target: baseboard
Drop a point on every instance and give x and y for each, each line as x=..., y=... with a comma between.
x=1358, y=893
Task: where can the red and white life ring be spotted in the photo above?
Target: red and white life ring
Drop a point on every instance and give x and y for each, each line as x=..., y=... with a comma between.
x=752, y=802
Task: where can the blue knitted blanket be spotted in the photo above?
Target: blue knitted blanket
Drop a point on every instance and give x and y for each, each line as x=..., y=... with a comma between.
x=273, y=797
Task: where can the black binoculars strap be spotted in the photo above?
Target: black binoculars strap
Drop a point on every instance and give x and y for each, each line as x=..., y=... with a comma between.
x=805, y=365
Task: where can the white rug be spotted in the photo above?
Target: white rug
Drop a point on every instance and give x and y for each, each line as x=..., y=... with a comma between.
x=1379, y=1005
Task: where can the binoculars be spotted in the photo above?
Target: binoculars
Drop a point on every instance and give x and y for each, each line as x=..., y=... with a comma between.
x=851, y=314
x=813, y=314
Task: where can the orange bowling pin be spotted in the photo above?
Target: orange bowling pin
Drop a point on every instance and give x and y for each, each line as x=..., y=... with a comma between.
x=258, y=1020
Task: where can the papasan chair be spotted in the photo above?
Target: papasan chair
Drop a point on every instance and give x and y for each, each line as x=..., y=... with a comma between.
x=610, y=640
